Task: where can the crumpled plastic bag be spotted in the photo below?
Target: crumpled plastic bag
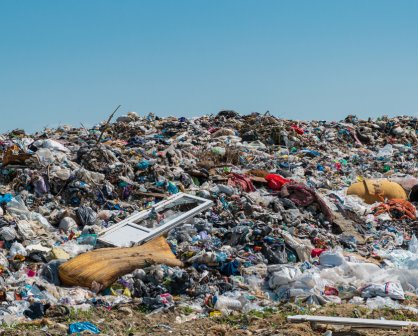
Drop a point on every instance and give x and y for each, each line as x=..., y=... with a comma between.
x=17, y=208
x=393, y=290
x=310, y=280
x=17, y=249
x=331, y=258
x=78, y=327
x=303, y=247
x=49, y=272
x=282, y=275
x=46, y=156
x=386, y=151
x=413, y=245
x=8, y=233
x=51, y=144
x=61, y=173
x=36, y=310
x=74, y=249
x=86, y=215
x=380, y=302
x=89, y=176
x=67, y=223
x=30, y=230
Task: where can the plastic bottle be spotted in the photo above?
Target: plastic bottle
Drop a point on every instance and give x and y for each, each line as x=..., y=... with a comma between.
x=224, y=303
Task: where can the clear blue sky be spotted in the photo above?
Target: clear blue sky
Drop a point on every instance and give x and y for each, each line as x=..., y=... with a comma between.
x=74, y=61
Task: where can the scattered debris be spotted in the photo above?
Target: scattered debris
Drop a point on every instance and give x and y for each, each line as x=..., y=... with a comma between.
x=216, y=215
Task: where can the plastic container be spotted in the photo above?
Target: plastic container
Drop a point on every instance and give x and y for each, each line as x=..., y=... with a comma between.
x=226, y=303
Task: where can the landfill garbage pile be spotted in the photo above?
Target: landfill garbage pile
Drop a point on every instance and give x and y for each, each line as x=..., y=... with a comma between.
x=308, y=212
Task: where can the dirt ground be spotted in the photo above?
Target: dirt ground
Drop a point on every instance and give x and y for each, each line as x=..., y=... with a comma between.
x=130, y=320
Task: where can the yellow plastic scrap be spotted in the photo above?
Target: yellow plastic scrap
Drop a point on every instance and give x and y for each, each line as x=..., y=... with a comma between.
x=127, y=292
x=60, y=253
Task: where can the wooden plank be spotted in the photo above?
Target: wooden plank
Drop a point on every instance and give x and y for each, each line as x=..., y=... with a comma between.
x=150, y=194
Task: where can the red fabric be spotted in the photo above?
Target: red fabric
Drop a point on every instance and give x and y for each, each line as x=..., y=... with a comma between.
x=298, y=130
x=316, y=252
x=212, y=130
x=302, y=195
x=328, y=290
x=241, y=181
x=276, y=182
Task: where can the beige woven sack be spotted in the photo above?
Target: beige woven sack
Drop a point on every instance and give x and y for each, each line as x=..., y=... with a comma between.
x=102, y=267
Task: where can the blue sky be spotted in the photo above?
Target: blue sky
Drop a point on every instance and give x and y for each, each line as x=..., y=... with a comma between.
x=66, y=62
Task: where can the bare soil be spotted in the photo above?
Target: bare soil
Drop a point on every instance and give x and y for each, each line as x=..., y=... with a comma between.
x=130, y=320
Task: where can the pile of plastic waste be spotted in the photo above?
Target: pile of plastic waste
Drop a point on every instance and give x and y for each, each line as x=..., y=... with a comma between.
x=308, y=212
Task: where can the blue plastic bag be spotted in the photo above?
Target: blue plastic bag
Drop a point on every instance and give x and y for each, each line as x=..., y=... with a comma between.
x=143, y=164
x=82, y=326
x=172, y=188
x=6, y=198
x=87, y=239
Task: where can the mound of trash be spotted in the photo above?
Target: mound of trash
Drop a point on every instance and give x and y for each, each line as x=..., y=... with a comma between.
x=217, y=213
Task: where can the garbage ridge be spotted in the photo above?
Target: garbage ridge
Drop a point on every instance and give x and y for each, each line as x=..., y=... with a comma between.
x=312, y=212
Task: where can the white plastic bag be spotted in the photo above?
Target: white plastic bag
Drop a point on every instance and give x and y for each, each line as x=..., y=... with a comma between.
x=74, y=249
x=46, y=156
x=310, y=280
x=386, y=151
x=8, y=233
x=17, y=249
x=60, y=173
x=382, y=302
x=17, y=208
x=67, y=223
x=52, y=145
x=413, y=245
x=283, y=276
x=406, y=182
x=331, y=258
x=390, y=289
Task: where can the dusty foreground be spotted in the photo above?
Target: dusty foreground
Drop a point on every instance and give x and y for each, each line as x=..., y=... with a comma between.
x=132, y=320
